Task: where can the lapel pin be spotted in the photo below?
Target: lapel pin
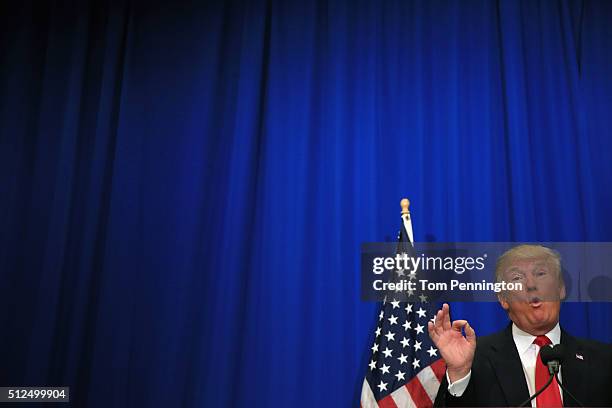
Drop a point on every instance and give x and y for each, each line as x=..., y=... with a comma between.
x=579, y=356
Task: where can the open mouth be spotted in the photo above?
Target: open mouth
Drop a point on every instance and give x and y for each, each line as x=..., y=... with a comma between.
x=535, y=302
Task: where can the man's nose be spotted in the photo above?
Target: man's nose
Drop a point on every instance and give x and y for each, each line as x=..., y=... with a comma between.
x=530, y=283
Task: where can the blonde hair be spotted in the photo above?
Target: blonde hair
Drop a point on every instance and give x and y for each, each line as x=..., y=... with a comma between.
x=522, y=252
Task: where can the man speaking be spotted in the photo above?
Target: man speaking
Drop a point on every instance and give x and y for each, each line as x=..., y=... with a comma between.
x=505, y=369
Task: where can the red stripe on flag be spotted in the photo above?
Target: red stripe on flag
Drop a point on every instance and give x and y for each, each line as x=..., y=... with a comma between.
x=387, y=402
x=439, y=368
x=418, y=393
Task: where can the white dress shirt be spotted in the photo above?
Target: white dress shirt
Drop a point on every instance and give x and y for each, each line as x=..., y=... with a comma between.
x=528, y=352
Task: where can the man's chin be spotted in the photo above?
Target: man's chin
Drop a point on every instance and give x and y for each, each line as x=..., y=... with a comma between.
x=542, y=320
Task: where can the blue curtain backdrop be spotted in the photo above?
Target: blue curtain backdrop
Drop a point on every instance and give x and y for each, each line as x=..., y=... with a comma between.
x=185, y=186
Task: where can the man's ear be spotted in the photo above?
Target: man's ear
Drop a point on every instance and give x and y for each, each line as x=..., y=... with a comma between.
x=502, y=301
x=562, y=292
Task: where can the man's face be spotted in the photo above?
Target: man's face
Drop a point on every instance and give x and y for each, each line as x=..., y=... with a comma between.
x=535, y=309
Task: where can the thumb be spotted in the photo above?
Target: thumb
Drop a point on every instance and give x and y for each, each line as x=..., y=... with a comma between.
x=458, y=325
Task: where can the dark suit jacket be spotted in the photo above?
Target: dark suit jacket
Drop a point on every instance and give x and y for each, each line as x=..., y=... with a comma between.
x=498, y=379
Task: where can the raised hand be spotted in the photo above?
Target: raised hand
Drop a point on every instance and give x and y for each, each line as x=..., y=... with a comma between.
x=456, y=350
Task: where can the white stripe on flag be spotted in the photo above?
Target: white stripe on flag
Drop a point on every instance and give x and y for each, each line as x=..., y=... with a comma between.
x=402, y=398
x=430, y=382
x=367, y=396
x=408, y=226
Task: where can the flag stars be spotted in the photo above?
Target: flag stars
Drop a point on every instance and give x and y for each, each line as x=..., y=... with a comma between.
x=381, y=315
x=395, y=304
x=387, y=352
x=382, y=386
x=375, y=348
x=421, y=312
x=417, y=345
x=372, y=365
x=419, y=329
x=392, y=320
x=423, y=298
x=405, y=342
x=432, y=351
x=377, y=331
x=400, y=375
x=407, y=325
x=415, y=363
x=408, y=308
x=433, y=319
x=403, y=359
x=385, y=369
x=390, y=336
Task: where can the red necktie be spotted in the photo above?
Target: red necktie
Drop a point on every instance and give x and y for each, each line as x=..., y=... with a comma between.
x=551, y=397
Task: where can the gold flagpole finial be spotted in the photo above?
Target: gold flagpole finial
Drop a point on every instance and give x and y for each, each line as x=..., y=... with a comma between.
x=405, y=203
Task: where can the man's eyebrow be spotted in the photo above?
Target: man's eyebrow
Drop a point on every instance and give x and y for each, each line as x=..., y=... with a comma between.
x=540, y=264
x=514, y=269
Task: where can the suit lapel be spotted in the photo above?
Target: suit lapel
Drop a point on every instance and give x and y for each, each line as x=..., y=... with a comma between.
x=574, y=370
x=508, y=368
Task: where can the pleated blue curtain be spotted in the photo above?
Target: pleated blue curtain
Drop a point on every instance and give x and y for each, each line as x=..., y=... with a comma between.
x=185, y=186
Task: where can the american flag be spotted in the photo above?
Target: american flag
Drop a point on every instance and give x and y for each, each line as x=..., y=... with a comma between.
x=405, y=368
